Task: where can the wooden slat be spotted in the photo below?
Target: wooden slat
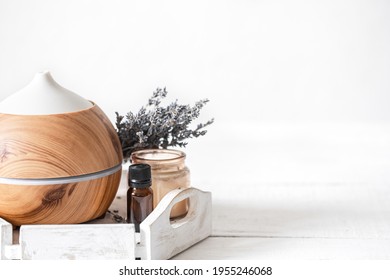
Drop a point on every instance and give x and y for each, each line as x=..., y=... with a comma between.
x=13, y=252
x=5, y=238
x=244, y=248
x=78, y=242
x=303, y=210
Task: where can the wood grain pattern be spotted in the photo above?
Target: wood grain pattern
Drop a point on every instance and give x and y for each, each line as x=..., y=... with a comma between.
x=59, y=145
x=58, y=204
x=56, y=146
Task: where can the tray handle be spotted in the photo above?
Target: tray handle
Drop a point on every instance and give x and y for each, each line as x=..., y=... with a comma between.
x=162, y=239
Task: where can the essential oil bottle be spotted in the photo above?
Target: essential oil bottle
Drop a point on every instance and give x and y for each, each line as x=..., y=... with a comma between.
x=139, y=194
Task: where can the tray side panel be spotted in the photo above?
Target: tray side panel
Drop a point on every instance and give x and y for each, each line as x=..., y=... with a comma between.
x=163, y=238
x=81, y=242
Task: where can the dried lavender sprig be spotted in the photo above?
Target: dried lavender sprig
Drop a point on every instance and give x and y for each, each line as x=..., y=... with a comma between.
x=155, y=126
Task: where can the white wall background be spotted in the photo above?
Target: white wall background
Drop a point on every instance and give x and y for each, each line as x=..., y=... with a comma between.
x=255, y=60
x=260, y=61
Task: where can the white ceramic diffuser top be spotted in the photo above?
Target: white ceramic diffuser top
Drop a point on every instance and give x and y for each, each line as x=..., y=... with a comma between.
x=43, y=96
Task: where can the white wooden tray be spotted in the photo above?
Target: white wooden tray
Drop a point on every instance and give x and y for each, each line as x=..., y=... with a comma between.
x=159, y=237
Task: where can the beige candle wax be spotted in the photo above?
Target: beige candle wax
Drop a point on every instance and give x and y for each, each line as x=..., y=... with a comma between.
x=169, y=172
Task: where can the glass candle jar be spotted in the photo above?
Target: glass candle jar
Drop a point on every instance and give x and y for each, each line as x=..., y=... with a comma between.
x=169, y=172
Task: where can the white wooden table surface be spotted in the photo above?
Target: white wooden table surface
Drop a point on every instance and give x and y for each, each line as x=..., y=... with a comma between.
x=293, y=191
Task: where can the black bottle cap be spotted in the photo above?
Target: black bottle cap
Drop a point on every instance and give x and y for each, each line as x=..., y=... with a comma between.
x=140, y=176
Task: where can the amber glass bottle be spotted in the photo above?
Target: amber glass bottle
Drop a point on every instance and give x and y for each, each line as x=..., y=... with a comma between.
x=139, y=194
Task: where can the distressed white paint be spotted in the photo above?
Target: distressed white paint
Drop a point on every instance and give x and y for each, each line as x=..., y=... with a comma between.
x=13, y=252
x=163, y=239
x=79, y=242
x=297, y=248
x=313, y=210
x=5, y=238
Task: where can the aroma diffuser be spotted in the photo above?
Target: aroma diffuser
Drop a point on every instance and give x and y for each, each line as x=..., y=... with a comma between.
x=60, y=157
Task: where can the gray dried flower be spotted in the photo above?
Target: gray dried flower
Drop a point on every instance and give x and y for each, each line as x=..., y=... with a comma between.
x=155, y=126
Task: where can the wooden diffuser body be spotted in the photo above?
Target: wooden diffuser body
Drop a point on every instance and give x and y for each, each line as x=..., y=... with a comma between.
x=58, y=168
